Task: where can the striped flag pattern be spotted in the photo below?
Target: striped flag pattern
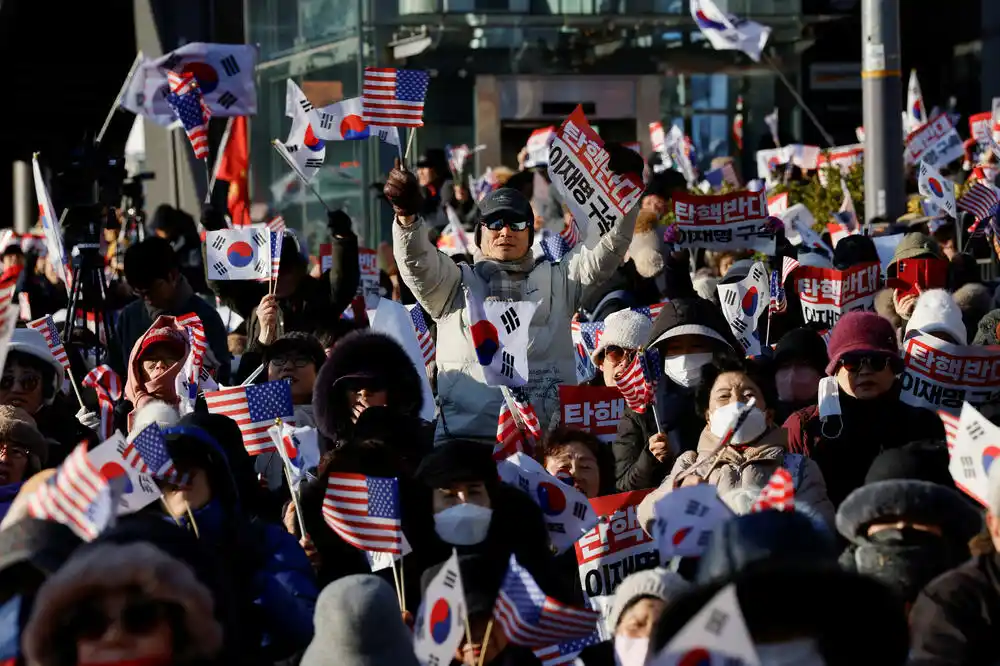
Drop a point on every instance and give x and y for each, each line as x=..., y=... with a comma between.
x=78, y=496
x=255, y=408
x=979, y=199
x=517, y=433
x=277, y=228
x=394, y=97
x=47, y=327
x=950, y=428
x=638, y=381
x=424, y=337
x=364, y=511
x=189, y=106
x=147, y=454
x=565, y=653
x=197, y=344
x=778, y=494
x=530, y=618
x=108, y=387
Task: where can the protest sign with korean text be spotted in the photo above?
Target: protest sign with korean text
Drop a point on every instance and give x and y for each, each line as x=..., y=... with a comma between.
x=578, y=168
x=538, y=147
x=743, y=302
x=941, y=375
x=980, y=125
x=935, y=142
x=841, y=157
x=368, y=286
x=734, y=221
x=595, y=409
x=826, y=293
x=613, y=549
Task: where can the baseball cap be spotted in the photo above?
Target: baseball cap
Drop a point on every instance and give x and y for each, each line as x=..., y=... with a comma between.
x=506, y=201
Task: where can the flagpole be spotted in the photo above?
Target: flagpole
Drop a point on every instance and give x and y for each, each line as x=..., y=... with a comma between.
x=409, y=144
x=798, y=98
x=118, y=98
x=220, y=151
x=208, y=180
x=298, y=174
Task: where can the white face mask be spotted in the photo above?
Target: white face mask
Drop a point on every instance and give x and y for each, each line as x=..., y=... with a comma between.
x=799, y=652
x=753, y=425
x=463, y=524
x=630, y=651
x=685, y=370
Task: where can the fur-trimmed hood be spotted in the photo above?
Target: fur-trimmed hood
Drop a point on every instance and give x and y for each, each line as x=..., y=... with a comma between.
x=364, y=352
x=106, y=567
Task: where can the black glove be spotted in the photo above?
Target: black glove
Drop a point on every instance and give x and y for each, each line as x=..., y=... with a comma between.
x=624, y=161
x=338, y=222
x=403, y=191
x=212, y=218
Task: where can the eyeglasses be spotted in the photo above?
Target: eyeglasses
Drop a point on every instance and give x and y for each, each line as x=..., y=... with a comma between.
x=875, y=362
x=13, y=452
x=27, y=382
x=137, y=617
x=498, y=223
x=297, y=361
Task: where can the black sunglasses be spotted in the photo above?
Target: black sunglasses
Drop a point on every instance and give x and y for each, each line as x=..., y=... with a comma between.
x=875, y=362
x=138, y=617
x=498, y=223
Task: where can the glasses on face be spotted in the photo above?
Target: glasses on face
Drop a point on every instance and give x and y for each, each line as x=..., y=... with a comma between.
x=11, y=452
x=498, y=223
x=28, y=382
x=875, y=362
x=137, y=617
x=298, y=362
x=615, y=353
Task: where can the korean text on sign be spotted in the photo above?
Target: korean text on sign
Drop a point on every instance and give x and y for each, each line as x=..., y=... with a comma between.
x=936, y=143
x=826, y=293
x=940, y=375
x=596, y=409
x=578, y=167
x=369, y=284
x=724, y=222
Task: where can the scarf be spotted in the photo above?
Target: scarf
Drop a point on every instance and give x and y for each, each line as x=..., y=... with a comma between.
x=506, y=279
x=163, y=387
x=181, y=296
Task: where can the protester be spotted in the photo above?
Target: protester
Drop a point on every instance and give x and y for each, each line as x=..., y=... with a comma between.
x=178, y=228
x=800, y=361
x=156, y=361
x=580, y=459
x=937, y=314
x=913, y=246
x=624, y=332
x=23, y=452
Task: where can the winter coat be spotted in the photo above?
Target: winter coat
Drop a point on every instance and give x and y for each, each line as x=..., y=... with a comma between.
x=58, y=423
x=953, y=621
x=869, y=427
x=136, y=318
x=7, y=494
x=635, y=467
x=469, y=407
x=748, y=469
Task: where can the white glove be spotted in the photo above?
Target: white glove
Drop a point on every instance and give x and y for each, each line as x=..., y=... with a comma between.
x=88, y=418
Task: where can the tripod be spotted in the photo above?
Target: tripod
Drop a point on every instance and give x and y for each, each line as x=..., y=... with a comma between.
x=88, y=292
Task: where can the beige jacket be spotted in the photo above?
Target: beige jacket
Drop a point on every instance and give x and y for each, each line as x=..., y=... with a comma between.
x=731, y=471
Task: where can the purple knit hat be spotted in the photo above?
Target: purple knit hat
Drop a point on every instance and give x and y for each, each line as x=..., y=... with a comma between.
x=861, y=332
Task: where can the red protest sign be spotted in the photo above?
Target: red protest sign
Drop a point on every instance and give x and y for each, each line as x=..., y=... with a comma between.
x=826, y=293
x=723, y=222
x=596, y=409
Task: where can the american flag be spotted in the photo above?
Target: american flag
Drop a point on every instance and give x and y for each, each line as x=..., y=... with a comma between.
x=778, y=302
x=651, y=311
x=590, y=333
x=394, y=97
x=724, y=174
x=108, y=387
x=950, y=428
x=530, y=618
x=78, y=496
x=189, y=106
x=565, y=653
x=980, y=200
x=197, y=344
x=556, y=246
x=638, y=381
x=277, y=229
x=255, y=408
x=424, y=337
x=47, y=327
x=147, y=454
x=512, y=436
x=364, y=511
x=778, y=494
x=484, y=185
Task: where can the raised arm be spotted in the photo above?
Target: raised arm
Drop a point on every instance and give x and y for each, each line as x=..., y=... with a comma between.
x=594, y=265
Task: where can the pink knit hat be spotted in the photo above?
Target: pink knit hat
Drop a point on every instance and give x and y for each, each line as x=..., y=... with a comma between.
x=862, y=332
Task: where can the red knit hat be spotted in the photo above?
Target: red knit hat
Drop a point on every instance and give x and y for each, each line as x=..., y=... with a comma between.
x=861, y=332
x=163, y=336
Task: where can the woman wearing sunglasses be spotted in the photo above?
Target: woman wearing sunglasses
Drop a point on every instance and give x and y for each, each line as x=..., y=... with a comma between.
x=859, y=413
x=505, y=271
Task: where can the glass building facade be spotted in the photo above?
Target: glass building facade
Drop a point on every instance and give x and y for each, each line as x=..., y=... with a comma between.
x=500, y=69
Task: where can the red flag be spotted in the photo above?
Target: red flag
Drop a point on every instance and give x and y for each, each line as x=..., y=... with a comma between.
x=778, y=494
x=233, y=169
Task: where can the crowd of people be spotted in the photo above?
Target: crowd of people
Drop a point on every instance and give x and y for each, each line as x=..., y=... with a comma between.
x=883, y=559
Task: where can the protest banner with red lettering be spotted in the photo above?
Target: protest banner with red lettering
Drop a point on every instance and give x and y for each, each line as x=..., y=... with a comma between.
x=614, y=549
x=777, y=204
x=578, y=168
x=596, y=409
x=842, y=157
x=733, y=221
x=941, y=376
x=538, y=147
x=980, y=125
x=935, y=142
x=826, y=293
x=369, y=284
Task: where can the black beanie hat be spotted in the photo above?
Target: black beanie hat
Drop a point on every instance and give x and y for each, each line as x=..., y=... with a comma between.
x=456, y=461
x=802, y=344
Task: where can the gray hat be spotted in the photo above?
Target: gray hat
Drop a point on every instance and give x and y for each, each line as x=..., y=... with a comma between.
x=19, y=429
x=358, y=623
x=658, y=583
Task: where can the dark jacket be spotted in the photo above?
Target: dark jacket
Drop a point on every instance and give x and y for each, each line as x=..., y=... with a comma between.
x=954, y=620
x=869, y=427
x=136, y=318
x=7, y=494
x=635, y=467
x=57, y=422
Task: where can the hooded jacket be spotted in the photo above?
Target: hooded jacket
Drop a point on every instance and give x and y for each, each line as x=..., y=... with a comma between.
x=140, y=392
x=635, y=467
x=468, y=407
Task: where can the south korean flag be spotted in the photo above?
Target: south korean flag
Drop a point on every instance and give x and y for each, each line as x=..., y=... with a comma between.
x=238, y=254
x=743, y=303
x=500, y=338
x=717, y=634
x=567, y=512
x=303, y=151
